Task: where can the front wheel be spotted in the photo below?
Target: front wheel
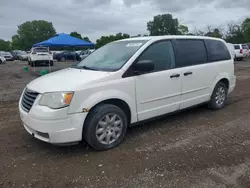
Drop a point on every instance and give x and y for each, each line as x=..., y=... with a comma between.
x=219, y=96
x=105, y=127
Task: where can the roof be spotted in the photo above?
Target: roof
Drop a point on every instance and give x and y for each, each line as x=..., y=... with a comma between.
x=64, y=40
x=170, y=37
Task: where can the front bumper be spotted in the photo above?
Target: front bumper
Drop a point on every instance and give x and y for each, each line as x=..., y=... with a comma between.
x=52, y=126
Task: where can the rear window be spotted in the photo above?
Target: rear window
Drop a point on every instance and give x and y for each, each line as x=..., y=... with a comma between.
x=244, y=47
x=41, y=49
x=236, y=47
x=217, y=50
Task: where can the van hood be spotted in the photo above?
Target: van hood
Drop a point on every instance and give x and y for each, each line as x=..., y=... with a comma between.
x=65, y=80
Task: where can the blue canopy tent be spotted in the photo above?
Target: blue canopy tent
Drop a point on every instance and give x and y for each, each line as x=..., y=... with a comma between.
x=64, y=40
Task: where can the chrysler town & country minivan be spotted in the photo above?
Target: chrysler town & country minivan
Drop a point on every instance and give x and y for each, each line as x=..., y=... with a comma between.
x=126, y=82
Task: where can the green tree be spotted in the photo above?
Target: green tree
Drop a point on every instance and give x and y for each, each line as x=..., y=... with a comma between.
x=32, y=32
x=246, y=29
x=16, y=45
x=75, y=34
x=183, y=30
x=163, y=24
x=234, y=33
x=86, y=39
x=5, y=45
x=107, y=39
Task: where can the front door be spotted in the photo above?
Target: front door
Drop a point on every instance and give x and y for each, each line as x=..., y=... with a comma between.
x=158, y=92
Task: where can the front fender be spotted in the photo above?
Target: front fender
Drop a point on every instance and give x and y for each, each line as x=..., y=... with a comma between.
x=93, y=99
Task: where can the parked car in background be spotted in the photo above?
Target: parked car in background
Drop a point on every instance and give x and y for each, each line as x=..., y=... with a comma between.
x=241, y=51
x=124, y=83
x=231, y=49
x=2, y=59
x=85, y=53
x=40, y=55
x=66, y=55
x=16, y=54
x=24, y=56
x=7, y=55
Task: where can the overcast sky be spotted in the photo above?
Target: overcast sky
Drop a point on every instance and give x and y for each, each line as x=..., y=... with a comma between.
x=94, y=18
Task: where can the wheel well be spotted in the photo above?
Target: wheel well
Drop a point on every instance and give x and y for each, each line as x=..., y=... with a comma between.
x=225, y=81
x=117, y=102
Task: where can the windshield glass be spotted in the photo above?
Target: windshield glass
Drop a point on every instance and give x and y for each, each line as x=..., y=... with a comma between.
x=6, y=53
x=112, y=56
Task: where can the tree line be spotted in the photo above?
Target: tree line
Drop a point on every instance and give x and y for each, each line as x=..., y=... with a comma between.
x=32, y=32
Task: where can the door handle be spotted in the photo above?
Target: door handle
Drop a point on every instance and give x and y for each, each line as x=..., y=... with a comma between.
x=175, y=76
x=187, y=73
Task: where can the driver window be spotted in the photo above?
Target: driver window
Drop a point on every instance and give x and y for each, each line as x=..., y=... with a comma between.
x=161, y=54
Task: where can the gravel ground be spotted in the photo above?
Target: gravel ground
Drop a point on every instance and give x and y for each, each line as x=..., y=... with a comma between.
x=197, y=148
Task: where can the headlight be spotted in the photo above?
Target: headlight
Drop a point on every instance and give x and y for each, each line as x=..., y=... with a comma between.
x=56, y=100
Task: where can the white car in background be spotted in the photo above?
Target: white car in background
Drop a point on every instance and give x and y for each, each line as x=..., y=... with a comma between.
x=231, y=49
x=2, y=59
x=40, y=55
x=241, y=51
x=24, y=56
x=85, y=53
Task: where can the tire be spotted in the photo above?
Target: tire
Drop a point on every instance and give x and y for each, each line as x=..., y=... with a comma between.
x=91, y=125
x=33, y=63
x=218, y=99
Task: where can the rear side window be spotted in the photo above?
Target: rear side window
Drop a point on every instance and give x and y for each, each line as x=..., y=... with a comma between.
x=217, y=50
x=190, y=52
x=236, y=47
x=161, y=54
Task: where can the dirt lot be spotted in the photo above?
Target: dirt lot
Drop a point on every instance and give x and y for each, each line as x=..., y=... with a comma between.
x=197, y=148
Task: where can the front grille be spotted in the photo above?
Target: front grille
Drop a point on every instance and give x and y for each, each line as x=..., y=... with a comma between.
x=28, y=99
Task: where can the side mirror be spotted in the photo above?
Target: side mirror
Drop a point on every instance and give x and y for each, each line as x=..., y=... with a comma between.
x=143, y=66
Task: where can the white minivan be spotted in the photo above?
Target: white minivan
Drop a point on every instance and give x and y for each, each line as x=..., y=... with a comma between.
x=126, y=82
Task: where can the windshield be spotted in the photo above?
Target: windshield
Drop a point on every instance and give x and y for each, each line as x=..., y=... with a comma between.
x=112, y=56
x=6, y=53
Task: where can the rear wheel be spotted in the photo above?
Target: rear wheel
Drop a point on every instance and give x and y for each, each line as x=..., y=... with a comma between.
x=219, y=96
x=33, y=63
x=105, y=127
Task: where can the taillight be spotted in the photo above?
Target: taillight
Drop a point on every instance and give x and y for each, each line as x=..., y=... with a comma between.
x=241, y=51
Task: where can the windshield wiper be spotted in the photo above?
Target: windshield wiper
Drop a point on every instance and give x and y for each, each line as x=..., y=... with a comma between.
x=87, y=68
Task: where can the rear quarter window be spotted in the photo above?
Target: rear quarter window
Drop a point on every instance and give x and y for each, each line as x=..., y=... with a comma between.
x=217, y=50
x=236, y=47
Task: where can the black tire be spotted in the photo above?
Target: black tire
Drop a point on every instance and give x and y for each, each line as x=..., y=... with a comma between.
x=213, y=104
x=91, y=123
x=33, y=63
